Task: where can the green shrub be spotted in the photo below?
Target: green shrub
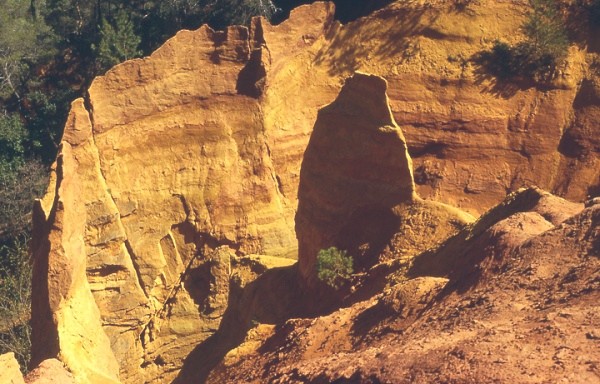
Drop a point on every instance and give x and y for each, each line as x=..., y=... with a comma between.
x=537, y=57
x=547, y=40
x=334, y=267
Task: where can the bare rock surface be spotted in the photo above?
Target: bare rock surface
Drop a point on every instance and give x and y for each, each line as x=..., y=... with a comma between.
x=9, y=370
x=164, y=175
x=524, y=308
x=50, y=371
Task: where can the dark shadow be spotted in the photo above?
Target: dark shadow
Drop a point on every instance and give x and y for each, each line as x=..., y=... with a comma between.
x=274, y=297
x=251, y=79
x=368, y=319
x=593, y=190
x=342, y=57
x=436, y=149
x=345, y=10
x=568, y=145
x=197, y=283
x=367, y=232
x=583, y=25
x=499, y=68
x=587, y=95
x=44, y=335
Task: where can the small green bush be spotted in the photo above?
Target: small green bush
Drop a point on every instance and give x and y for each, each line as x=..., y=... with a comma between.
x=334, y=267
x=537, y=57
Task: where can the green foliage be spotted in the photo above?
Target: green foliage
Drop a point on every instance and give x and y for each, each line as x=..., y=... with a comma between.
x=334, y=267
x=19, y=186
x=45, y=119
x=12, y=143
x=547, y=41
x=228, y=12
x=118, y=41
x=537, y=57
x=24, y=41
x=15, y=300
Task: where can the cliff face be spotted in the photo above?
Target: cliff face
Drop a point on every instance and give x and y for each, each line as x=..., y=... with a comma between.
x=164, y=175
x=473, y=138
x=176, y=165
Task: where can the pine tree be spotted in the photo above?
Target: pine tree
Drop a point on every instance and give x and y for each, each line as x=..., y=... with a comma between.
x=118, y=41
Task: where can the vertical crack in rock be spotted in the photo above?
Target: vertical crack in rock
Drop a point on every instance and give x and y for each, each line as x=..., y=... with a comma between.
x=147, y=334
x=131, y=254
x=44, y=337
x=251, y=79
x=136, y=267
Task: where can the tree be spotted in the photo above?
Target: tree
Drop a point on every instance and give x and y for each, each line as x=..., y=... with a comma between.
x=24, y=41
x=229, y=12
x=118, y=41
x=334, y=267
x=547, y=41
x=12, y=143
x=21, y=181
x=15, y=300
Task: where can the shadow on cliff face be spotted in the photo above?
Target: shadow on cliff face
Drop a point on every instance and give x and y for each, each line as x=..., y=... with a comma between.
x=492, y=73
x=343, y=54
x=345, y=10
x=274, y=297
x=368, y=231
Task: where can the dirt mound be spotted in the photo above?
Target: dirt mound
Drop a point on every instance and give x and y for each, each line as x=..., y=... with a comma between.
x=531, y=315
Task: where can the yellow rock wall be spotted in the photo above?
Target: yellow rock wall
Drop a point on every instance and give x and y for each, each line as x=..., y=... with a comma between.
x=199, y=146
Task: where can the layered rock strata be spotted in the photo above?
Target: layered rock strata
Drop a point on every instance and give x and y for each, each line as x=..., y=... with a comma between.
x=471, y=136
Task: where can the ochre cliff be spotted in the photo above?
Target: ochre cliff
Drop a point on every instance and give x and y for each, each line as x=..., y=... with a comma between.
x=356, y=187
x=176, y=166
x=164, y=174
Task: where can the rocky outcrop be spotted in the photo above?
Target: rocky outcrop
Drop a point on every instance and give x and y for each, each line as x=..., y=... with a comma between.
x=356, y=169
x=65, y=317
x=164, y=175
x=471, y=137
x=9, y=370
x=356, y=185
x=525, y=299
x=50, y=371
